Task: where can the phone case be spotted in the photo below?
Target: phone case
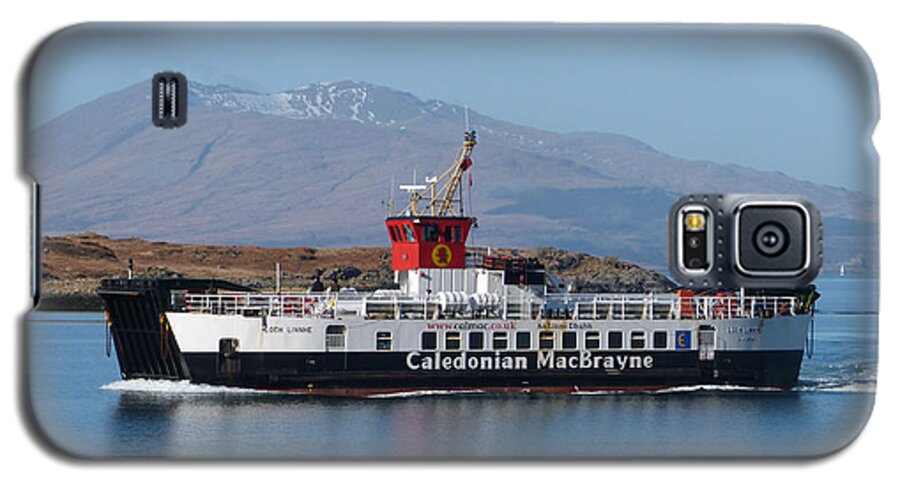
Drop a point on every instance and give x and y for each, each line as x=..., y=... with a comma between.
x=311, y=241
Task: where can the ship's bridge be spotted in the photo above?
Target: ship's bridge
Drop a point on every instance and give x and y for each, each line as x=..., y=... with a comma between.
x=428, y=245
x=428, y=242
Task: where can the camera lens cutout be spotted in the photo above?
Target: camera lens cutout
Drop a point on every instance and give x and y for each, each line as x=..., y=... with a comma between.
x=771, y=239
x=732, y=241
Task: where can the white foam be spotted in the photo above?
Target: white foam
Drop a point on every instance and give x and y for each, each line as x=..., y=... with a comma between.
x=721, y=388
x=840, y=388
x=599, y=392
x=679, y=389
x=424, y=393
x=168, y=387
x=165, y=387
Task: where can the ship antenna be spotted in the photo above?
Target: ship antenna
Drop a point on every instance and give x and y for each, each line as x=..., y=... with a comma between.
x=443, y=193
x=391, y=200
x=466, y=114
x=462, y=206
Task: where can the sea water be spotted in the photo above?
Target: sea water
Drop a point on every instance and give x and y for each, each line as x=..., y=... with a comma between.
x=79, y=405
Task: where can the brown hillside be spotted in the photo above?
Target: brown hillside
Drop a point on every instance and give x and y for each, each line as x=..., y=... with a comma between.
x=74, y=264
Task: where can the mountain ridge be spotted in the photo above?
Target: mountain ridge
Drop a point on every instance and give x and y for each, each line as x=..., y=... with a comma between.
x=310, y=166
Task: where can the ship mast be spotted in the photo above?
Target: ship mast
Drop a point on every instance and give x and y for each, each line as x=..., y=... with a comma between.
x=442, y=195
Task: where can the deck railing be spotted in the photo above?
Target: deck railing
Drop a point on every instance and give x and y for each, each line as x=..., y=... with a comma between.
x=563, y=306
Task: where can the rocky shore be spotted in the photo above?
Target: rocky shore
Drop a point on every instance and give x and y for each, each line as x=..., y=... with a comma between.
x=73, y=265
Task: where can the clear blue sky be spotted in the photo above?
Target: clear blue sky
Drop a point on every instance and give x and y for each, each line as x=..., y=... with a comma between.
x=775, y=100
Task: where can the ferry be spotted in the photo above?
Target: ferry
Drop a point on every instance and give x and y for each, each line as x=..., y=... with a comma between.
x=459, y=319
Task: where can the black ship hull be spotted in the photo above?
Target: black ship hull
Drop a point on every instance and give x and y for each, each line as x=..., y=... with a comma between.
x=362, y=373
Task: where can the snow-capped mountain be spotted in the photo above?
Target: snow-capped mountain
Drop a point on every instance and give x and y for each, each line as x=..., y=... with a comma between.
x=345, y=100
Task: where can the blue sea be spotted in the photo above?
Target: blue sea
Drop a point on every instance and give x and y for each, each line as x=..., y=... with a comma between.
x=81, y=407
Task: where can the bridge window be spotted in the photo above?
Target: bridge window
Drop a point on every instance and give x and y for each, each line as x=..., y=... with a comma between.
x=448, y=234
x=545, y=340
x=501, y=340
x=429, y=340
x=410, y=234
x=614, y=339
x=638, y=339
x=452, y=341
x=569, y=340
x=592, y=340
x=660, y=340
x=476, y=340
x=457, y=234
x=430, y=233
x=383, y=341
x=523, y=340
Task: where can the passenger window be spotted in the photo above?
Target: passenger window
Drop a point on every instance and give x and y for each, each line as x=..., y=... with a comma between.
x=614, y=339
x=545, y=340
x=429, y=340
x=638, y=339
x=592, y=340
x=523, y=340
x=501, y=340
x=383, y=341
x=476, y=340
x=660, y=340
x=452, y=341
x=569, y=340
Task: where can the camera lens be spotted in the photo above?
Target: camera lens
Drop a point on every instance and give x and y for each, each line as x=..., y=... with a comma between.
x=694, y=242
x=695, y=263
x=770, y=239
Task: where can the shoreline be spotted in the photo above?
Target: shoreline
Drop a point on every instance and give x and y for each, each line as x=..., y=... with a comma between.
x=78, y=302
x=74, y=265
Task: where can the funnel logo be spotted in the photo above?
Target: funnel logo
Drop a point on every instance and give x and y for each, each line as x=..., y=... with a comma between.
x=441, y=255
